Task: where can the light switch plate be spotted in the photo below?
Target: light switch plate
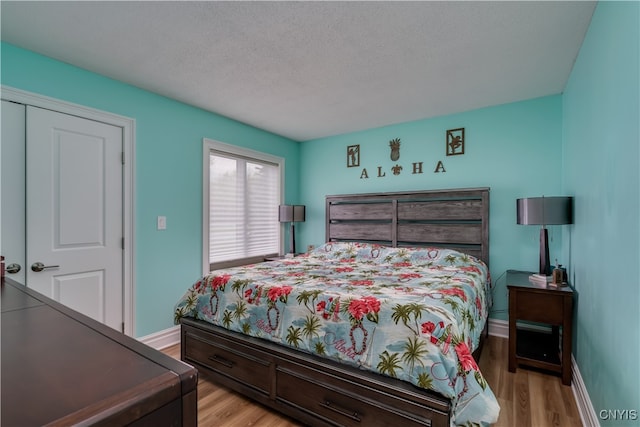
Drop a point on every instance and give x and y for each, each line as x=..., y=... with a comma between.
x=162, y=223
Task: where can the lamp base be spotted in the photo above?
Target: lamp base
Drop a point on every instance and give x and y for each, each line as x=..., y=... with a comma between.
x=545, y=265
x=292, y=239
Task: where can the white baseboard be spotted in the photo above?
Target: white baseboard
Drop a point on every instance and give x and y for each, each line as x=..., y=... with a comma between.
x=500, y=328
x=585, y=407
x=162, y=339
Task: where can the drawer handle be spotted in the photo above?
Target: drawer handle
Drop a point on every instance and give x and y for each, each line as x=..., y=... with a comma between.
x=350, y=414
x=221, y=360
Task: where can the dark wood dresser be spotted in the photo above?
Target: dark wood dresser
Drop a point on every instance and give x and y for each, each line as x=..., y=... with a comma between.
x=60, y=367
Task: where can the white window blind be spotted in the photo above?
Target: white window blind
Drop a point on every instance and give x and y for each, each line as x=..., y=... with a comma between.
x=244, y=194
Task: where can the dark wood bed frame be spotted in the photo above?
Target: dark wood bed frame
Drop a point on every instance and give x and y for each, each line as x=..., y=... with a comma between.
x=320, y=392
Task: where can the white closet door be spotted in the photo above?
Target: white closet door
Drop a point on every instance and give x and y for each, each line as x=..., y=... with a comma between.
x=74, y=213
x=12, y=153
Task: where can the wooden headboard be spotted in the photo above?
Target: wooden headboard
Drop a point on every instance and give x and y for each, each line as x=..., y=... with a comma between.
x=456, y=219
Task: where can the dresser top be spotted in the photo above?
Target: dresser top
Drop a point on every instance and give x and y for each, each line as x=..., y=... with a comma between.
x=61, y=366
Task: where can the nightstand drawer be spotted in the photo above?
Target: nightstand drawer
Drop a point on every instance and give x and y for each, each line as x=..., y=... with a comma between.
x=540, y=307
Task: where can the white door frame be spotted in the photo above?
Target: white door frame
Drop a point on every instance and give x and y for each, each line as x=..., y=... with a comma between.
x=128, y=135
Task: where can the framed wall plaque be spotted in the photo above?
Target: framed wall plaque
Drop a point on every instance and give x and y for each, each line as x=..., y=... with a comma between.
x=455, y=142
x=353, y=155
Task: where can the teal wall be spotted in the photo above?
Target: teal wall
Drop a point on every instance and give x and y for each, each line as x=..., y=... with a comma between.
x=601, y=157
x=168, y=170
x=515, y=149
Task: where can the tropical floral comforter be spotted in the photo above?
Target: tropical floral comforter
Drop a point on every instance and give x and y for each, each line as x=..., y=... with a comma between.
x=411, y=313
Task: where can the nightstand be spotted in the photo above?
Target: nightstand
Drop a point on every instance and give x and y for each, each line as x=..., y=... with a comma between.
x=548, y=305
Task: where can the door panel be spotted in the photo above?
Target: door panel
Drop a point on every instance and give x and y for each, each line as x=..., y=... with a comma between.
x=12, y=153
x=74, y=212
x=79, y=291
x=79, y=215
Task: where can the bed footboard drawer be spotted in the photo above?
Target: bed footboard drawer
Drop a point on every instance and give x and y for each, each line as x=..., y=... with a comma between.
x=338, y=402
x=244, y=364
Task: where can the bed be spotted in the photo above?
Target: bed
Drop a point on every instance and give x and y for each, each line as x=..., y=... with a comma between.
x=377, y=326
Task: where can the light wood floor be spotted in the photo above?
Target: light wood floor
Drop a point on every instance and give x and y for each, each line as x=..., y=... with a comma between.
x=527, y=398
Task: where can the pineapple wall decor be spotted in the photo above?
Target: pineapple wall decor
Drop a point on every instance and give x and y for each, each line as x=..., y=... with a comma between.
x=395, y=149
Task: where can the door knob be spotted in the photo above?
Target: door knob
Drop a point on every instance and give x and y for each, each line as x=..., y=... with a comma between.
x=13, y=268
x=38, y=266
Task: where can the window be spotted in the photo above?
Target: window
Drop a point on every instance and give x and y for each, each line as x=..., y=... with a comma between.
x=242, y=193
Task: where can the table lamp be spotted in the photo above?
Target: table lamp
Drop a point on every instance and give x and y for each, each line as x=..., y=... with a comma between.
x=291, y=214
x=544, y=211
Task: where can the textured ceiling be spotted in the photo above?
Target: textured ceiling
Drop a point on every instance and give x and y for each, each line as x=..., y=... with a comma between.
x=307, y=70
